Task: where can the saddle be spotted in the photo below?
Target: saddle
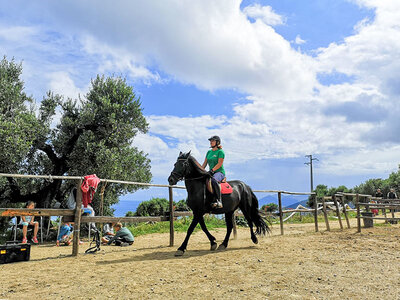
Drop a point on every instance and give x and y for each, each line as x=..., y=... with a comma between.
x=226, y=188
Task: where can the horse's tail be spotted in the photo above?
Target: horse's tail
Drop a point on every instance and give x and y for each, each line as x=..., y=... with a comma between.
x=261, y=225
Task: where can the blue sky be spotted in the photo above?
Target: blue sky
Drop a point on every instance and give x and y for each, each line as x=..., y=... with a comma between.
x=275, y=79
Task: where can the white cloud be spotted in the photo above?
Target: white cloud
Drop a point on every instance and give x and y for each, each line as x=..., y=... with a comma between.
x=213, y=45
x=17, y=33
x=298, y=40
x=264, y=13
x=61, y=83
x=209, y=44
x=366, y=161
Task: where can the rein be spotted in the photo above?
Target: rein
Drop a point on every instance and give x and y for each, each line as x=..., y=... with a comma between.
x=185, y=165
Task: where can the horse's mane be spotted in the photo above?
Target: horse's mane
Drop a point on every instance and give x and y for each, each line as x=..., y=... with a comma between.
x=196, y=165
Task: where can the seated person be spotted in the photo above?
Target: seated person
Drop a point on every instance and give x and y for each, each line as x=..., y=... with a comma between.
x=123, y=236
x=29, y=220
x=108, y=233
x=65, y=235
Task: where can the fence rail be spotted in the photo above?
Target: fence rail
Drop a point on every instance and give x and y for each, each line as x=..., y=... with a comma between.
x=76, y=214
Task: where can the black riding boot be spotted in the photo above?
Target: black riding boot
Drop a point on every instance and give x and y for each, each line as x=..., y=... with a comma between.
x=217, y=194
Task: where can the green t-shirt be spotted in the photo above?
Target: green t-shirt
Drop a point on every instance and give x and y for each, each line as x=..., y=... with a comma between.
x=212, y=159
x=122, y=233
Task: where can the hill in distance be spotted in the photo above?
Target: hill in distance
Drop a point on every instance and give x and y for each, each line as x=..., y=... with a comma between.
x=288, y=201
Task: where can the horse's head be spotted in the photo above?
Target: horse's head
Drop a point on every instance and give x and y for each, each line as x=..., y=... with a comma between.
x=181, y=168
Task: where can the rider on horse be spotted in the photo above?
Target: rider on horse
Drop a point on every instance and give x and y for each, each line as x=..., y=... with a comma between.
x=215, y=160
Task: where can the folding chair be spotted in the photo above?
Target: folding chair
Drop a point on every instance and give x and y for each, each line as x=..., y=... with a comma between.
x=18, y=225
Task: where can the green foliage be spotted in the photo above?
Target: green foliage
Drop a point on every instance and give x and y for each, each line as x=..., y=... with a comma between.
x=322, y=191
x=370, y=186
x=180, y=225
x=157, y=207
x=94, y=135
x=18, y=126
x=130, y=214
x=181, y=205
x=270, y=207
x=153, y=207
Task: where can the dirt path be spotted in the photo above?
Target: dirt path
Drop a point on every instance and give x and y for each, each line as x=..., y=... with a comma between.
x=301, y=264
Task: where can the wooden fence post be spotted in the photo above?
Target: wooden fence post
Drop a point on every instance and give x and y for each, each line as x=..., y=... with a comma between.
x=328, y=228
x=315, y=211
x=171, y=217
x=345, y=212
x=358, y=213
x=337, y=211
x=234, y=226
x=77, y=219
x=384, y=212
x=280, y=211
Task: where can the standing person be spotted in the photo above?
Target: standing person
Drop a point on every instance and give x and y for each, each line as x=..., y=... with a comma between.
x=215, y=160
x=392, y=194
x=123, y=236
x=29, y=220
x=379, y=193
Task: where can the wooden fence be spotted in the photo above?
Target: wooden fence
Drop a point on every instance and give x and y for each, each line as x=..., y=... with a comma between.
x=75, y=215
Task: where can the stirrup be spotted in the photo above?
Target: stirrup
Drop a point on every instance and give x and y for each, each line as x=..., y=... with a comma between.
x=216, y=204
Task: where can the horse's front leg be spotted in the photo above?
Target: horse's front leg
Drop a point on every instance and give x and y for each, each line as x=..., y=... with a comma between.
x=182, y=248
x=229, y=226
x=213, y=244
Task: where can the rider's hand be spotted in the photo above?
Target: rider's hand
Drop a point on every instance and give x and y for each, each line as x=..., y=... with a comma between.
x=211, y=172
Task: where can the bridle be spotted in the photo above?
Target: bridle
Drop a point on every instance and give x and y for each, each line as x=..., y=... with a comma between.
x=185, y=167
x=184, y=172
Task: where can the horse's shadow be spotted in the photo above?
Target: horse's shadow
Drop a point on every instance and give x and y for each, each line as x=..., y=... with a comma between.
x=169, y=255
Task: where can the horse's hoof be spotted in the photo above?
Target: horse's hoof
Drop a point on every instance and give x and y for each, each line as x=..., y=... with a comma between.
x=179, y=252
x=221, y=247
x=213, y=247
x=255, y=240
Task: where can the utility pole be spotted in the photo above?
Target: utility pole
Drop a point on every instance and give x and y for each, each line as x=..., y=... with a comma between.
x=311, y=169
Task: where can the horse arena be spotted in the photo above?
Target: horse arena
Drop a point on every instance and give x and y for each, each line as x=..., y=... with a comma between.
x=302, y=264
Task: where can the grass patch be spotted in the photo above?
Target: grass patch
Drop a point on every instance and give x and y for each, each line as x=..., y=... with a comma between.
x=180, y=225
x=309, y=218
x=382, y=225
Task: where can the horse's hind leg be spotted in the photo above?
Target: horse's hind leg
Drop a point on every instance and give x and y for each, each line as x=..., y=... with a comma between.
x=182, y=248
x=209, y=235
x=229, y=226
x=246, y=214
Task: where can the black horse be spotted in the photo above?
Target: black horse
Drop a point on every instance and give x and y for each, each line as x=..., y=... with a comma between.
x=199, y=200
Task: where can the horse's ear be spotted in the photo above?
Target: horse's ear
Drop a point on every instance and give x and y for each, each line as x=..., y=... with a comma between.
x=180, y=153
x=189, y=152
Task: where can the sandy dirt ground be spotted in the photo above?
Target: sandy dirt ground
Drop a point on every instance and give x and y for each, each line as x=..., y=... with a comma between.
x=302, y=264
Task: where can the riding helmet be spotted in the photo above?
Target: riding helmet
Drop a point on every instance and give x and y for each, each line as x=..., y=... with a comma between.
x=215, y=138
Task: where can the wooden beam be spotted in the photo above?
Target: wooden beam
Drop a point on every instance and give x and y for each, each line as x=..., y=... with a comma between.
x=328, y=228
x=234, y=226
x=183, y=214
x=106, y=219
x=12, y=212
x=337, y=211
x=316, y=212
x=311, y=210
x=280, y=211
x=171, y=217
x=358, y=213
x=77, y=219
x=345, y=212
